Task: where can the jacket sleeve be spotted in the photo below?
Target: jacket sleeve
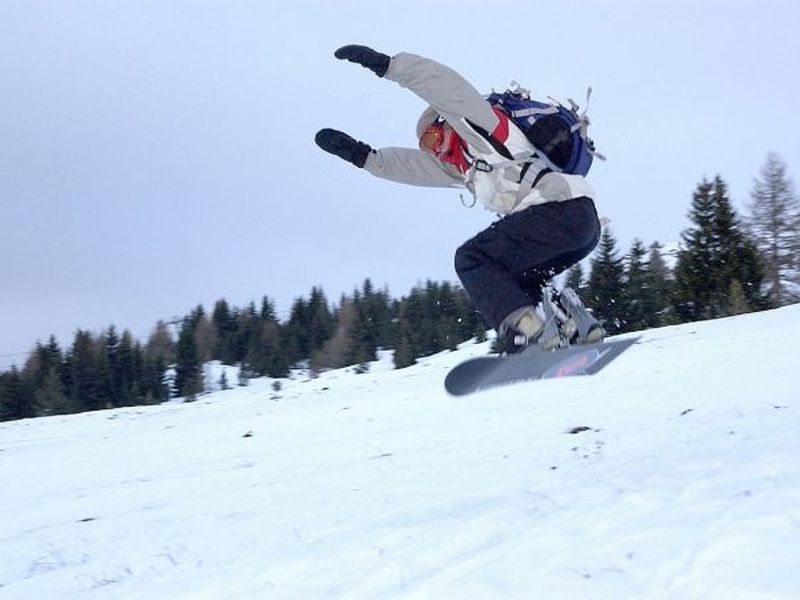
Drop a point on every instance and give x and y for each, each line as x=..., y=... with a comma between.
x=412, y=167
x=443, y=88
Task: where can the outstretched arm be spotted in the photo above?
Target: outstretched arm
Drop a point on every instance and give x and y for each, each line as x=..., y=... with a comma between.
x=412, y=167
x=404, y=165
x=443, y=88
x=440, y=86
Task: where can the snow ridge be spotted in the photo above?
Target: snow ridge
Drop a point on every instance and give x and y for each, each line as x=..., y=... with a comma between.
x=673, y=473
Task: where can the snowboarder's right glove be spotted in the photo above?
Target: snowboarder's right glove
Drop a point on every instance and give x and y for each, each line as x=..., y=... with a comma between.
x=343, y=146
x=376, y=62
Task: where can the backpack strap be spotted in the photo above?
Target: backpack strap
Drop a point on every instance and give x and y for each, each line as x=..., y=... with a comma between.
x=496, y=144
x=530, y=177
x=583, y=124
x=534, y=112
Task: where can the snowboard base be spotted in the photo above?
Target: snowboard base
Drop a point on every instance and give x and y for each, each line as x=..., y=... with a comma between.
x=490, y=371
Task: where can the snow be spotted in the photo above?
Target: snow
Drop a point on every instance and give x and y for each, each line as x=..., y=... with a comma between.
x=217, y=376
x=682, y=480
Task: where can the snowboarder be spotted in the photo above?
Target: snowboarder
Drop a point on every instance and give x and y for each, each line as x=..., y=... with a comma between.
x=548, y=218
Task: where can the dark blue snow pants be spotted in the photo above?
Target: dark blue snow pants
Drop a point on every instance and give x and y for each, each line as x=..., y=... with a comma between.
x=505, y=266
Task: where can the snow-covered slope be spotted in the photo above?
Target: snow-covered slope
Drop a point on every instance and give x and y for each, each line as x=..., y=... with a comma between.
x=673, y=473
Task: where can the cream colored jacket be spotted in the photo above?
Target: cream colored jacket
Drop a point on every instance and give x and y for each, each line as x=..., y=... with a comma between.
x=453, y=98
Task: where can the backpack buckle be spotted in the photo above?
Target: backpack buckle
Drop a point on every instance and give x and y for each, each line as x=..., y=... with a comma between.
x=483, y=166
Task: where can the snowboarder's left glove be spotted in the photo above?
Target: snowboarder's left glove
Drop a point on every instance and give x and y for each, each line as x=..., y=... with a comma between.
x=343, y=146
x=367, y=57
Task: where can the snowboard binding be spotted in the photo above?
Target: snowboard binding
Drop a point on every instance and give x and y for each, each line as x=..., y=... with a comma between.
x=576, y=324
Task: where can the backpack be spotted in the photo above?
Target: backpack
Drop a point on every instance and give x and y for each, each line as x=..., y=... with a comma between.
x=558, y=132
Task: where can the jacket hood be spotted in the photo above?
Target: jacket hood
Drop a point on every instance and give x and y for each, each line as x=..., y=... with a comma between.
x=428, y=116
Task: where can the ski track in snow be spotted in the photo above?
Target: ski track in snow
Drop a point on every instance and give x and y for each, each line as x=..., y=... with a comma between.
x=684, y=484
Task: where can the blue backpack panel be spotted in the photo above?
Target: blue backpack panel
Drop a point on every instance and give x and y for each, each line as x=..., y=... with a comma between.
x=558, y=132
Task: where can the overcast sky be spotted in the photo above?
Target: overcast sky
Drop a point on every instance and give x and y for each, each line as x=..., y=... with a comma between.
x=156, y=155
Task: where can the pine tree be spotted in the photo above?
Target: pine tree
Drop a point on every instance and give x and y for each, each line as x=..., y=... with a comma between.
x=639, y=294
x=750, y=275
x=362, y=330
x=113, y=383
x=471, y=325
x=205, y=336
x=224, y=325
x=376, y=320
x=268, y=313
x=265, y=355
x=404, y=355
x=774, y=223
x=692, y=292
x=44, y=378
x=188, y=369
x=43, y=365
x=446, y=317
x=309, y=327
x=738, y=257
x=410, y=334
x=661, y=282
x=605, y=291
x=295, y=332
x=430, y=329
x=320, y=320
x=574, y=279
x=16, y=397
x=127, y=371
x=275, y=362
x=715, y=253
x=726, y=243
x=102, y=368
x=88, y=375
x=153, y=386
x=50, y=396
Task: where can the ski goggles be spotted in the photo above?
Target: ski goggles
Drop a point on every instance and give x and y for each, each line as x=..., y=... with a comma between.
x=434, y=139
x=441, y=140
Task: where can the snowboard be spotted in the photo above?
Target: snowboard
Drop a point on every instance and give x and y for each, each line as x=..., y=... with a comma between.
x=486, y=372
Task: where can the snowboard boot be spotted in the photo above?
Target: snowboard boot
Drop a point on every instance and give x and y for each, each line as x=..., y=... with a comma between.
x=580, y=327
x=524, y=328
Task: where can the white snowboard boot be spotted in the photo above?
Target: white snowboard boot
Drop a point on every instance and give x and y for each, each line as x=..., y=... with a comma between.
x=524, y=328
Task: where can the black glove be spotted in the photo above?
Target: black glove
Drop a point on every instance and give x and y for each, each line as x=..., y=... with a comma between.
x=366, y=57
x=343, y=146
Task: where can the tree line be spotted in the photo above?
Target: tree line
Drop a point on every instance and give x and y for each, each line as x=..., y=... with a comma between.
x=726, y=264
x=112, y=370
x=97, y=371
